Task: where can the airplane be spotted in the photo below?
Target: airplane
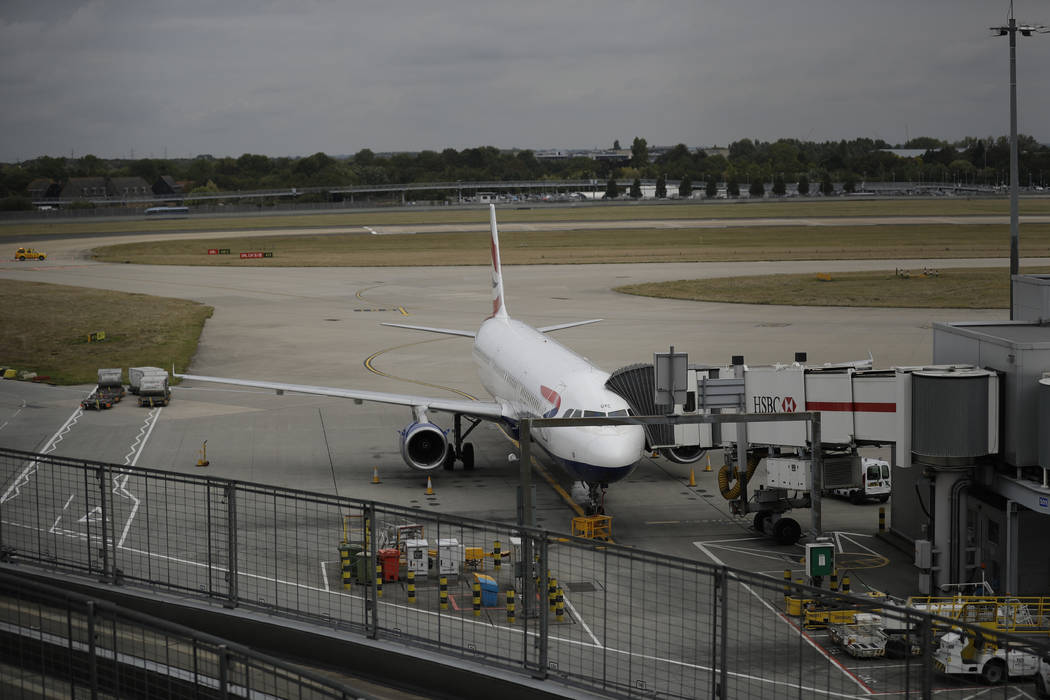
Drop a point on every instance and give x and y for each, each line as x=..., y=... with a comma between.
x=529, y=375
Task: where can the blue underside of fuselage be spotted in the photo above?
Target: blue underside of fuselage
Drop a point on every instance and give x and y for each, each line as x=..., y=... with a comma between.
x=590, y=473
x=579, y=471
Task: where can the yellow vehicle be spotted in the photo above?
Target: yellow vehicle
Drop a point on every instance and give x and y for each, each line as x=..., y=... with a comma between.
x=29, y=254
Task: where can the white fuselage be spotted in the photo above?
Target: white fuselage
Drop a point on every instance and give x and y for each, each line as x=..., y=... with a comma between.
x=534, y=376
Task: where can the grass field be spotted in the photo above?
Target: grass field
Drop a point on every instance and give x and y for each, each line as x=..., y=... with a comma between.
x=798, y=208
x=969, y=288
x=598, y=246
x=44, y=328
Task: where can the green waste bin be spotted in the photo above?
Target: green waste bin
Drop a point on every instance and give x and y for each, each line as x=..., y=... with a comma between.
x=361, y=571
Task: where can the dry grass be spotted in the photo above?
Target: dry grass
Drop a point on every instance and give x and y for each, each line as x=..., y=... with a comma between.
x=598, y=246
x=44, y=328
x=977, y=288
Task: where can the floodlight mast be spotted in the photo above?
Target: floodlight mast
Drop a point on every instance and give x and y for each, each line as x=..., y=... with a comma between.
x=1011, y=29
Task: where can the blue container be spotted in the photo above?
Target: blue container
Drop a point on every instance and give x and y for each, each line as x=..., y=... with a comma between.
x=489, y=590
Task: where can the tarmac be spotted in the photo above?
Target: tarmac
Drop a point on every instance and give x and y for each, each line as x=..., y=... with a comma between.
x=322, y=326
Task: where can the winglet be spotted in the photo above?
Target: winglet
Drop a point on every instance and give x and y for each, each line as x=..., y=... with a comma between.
x=499, y=308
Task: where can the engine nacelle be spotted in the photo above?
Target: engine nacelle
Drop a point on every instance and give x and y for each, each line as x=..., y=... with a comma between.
x=424, y=446
x=684, y=454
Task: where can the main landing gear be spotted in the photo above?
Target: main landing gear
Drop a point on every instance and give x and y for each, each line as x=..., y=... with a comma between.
x=460, y=450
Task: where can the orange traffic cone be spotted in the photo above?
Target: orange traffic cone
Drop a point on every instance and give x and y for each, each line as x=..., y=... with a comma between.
x=708, y=467
x=375, y=475
x=430, y=487
x=692, y=477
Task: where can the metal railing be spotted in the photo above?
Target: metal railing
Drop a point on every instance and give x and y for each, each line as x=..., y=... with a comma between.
x=62, y=644
x=603, y=618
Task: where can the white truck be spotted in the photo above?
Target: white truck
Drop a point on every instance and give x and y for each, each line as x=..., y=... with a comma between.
x=859, y=479
x=966, y=653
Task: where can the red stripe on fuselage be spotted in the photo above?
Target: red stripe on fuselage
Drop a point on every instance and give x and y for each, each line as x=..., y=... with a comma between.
x=852, y=406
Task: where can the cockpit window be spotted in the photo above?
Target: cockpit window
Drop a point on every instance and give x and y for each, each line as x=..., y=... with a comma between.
x=593, y=414
x=621, y=412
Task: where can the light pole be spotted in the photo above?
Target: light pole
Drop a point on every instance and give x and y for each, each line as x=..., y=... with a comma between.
x=1011, y=30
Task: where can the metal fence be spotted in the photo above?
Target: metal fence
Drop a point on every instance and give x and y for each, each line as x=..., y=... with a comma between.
x=55, y=643
x=581, y=613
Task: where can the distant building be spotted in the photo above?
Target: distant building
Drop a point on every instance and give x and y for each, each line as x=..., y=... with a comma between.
x=43, y=188
x=905, y=152
x=84, y=188
x=167, y=186
x=128, y=188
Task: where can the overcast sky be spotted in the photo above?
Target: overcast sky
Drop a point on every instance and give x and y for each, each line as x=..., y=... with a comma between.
x=185, y=77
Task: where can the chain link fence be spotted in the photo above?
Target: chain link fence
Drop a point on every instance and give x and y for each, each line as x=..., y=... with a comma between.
x=582, y=613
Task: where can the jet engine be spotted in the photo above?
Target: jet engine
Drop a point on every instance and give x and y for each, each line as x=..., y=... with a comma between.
x=685, y=454
x=424, y=445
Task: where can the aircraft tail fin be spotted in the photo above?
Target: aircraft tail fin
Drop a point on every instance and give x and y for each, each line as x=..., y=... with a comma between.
x=499, y=308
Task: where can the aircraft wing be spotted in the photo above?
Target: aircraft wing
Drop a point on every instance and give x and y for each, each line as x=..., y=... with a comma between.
x=479, y=409
x=571, y=324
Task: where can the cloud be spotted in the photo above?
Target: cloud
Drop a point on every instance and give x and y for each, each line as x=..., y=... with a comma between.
x=285, y=78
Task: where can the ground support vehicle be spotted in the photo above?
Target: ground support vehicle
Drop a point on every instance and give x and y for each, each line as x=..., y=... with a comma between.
x=1042, y=678
x=109, y=390
x=858, y=479
x=863, y=638
x=962, y=653
x=154, y=390
x=29, y=254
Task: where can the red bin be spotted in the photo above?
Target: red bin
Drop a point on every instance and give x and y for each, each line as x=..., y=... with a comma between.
x=389, y=560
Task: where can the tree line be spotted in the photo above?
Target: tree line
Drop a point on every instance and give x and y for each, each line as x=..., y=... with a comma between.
x=971, y=161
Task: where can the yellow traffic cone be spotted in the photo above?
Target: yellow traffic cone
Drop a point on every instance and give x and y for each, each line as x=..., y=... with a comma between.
x=708, y=467
x=692, y=477
x=375, y=475
x=430, y=487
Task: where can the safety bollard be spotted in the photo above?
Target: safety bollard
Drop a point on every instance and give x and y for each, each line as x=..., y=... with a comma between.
x=787, y=582
x=559, y=614
x=835, y=580
x=510, y=606
x=477, y=598
x=497, y=557
x=845, y=584
x=344, y=564
x=443, y=592
x=882, y=518
x=552, y=593
x=411, y=586
x=379, y=580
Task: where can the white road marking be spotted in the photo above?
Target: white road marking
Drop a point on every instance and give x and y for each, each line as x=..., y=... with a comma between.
x=701, y=546
x=14, y=489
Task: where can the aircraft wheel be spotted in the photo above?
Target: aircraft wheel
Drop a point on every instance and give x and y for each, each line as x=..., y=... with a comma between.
x=468, y=456
x=787, y=531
